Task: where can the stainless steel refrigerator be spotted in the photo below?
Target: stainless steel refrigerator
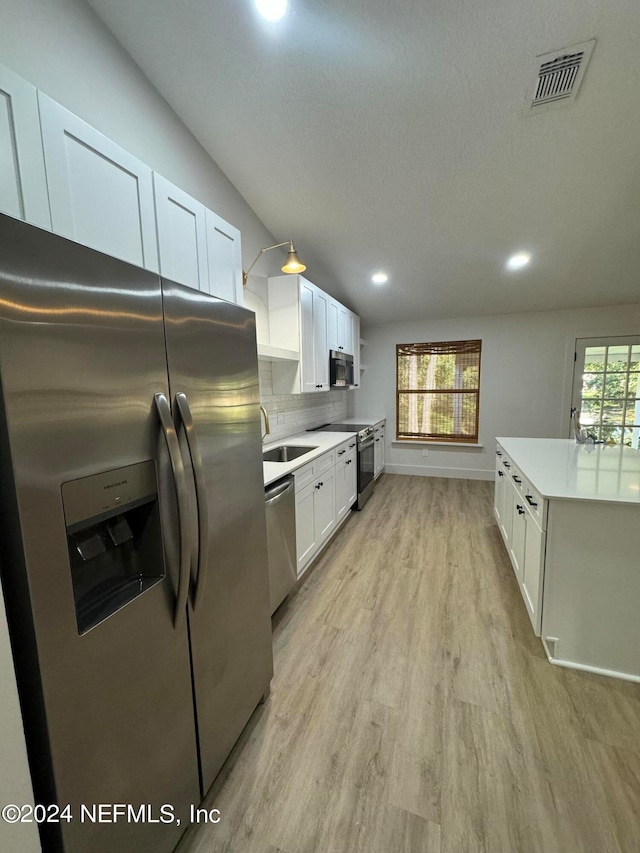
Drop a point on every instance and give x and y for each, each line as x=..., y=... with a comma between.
x=133, y=543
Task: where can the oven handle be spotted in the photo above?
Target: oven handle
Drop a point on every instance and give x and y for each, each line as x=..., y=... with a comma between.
x=365, y=444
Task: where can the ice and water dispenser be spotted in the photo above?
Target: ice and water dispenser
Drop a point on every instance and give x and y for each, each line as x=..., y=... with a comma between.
x=114, y=539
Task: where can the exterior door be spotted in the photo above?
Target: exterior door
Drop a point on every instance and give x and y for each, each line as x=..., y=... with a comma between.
x=110, y=719
x=606, y=388
x=211, y=351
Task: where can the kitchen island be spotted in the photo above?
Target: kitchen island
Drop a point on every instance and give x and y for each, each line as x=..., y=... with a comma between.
x=569, y=515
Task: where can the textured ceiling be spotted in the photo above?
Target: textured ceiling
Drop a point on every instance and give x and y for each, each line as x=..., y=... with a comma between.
x=392, y=136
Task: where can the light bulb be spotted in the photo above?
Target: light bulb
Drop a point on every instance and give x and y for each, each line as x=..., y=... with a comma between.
x=272, y=10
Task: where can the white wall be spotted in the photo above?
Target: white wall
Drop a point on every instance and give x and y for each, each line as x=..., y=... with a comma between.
x=63, y=48
x=293, y=413
x=527, y=363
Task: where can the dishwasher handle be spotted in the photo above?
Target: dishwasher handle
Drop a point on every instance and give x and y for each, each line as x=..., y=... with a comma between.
x=273, y=494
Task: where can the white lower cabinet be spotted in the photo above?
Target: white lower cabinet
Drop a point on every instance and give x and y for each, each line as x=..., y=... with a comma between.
x=326, y=489
x=378, y=449
x=346, y=483
x=315, y=516
x=533, y=571
x=518, y=531
x=306, y=539
x=520, y=513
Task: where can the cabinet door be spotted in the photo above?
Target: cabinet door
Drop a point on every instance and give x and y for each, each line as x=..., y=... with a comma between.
x=224, y=253
x=498, y=500
x=325, y=505
x=321, y=346
x=342, y=489
x=100, y=195
x=533, y=573
x=23, y=184
x=182, y=239
x=351, y=478
x=307, y=346
x=518, y=531
x=306, y=540
x=332, y=325
x=355, y=343
x=508, y=505
x=344, y=330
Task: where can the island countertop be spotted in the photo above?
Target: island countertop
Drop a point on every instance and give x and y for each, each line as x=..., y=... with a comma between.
x=562, y=469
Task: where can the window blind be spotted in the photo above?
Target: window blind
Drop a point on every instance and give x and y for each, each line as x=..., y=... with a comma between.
x=438, y=391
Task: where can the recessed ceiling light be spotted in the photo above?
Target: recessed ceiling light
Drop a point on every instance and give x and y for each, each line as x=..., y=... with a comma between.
x=518, y=261
x=379, y=278
x=272, y=10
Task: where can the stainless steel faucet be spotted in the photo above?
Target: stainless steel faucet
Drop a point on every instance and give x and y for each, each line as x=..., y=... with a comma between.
x=267, y=428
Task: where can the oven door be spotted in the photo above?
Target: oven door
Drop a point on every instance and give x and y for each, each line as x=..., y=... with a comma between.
x=365, y=464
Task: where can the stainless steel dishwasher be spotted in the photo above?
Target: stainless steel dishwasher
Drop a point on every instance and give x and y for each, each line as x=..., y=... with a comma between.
x=280, y=507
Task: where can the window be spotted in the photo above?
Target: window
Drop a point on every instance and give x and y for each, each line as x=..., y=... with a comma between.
x=438, y=391
x=606, y=388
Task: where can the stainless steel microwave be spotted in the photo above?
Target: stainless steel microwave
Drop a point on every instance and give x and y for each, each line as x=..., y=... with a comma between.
x=340, y=369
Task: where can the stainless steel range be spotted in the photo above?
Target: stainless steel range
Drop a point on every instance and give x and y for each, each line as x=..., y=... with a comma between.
x=364, y=436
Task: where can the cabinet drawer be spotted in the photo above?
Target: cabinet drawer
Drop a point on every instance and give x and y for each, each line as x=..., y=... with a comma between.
x=518, y=479
x=342, y=451
x=325, y=462
x=305, y=475
x=310, y=472
x=536, y=503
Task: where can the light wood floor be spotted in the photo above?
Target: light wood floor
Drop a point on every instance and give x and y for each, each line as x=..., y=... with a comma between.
x=412, y=708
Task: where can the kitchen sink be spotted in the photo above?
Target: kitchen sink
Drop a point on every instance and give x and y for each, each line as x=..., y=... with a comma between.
x=285, y=453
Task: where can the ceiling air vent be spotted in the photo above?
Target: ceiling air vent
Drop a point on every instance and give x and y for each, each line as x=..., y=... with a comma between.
x=558, y=76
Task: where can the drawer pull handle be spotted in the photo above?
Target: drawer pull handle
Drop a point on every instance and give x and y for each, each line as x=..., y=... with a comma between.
x=351, y=445
x=498, y=453
x=500, y=473
x=340, y=452
x=520, y=509
x=530, y=500
x=507, y=464
x=516, y=479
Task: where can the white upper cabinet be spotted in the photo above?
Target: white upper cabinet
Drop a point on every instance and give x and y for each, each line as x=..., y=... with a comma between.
x=339, y=327
x=314, y=349
x=224, y=253
x=23, y=184
x=298, y=312
x=355, y=343
x=320, y=343
x=182, y=235
x=99, y=194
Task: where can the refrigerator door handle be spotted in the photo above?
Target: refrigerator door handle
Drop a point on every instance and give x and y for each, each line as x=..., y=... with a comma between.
x=177, y=467
x=201, y=495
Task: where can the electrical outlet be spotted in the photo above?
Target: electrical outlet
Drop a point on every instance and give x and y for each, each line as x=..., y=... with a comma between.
x=425, y=452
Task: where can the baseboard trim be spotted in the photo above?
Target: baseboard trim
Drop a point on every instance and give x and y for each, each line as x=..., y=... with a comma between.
x=434, y=471
x=584, y=667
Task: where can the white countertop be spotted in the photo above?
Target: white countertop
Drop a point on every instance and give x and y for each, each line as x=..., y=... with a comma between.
x=362, y=420
x=561, y=468
x=321, y=441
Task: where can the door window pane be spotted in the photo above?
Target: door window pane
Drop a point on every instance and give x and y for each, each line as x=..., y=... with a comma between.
x=607, y=389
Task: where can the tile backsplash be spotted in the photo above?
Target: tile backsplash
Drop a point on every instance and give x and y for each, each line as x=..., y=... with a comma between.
x=293, y=413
